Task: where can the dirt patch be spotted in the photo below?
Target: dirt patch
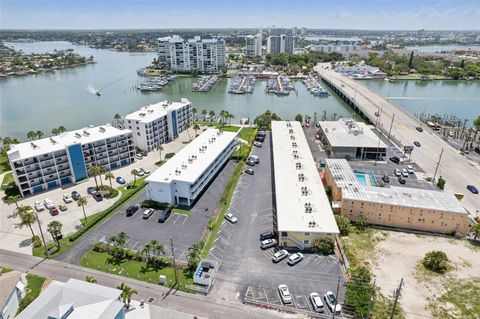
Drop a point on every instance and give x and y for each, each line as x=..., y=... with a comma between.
x=398, y=256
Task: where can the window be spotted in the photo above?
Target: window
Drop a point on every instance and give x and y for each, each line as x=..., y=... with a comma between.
x=307, y=234
x=306, y=242
x=284, y=234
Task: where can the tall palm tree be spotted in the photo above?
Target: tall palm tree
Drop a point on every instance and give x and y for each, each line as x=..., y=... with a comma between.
x=93, y=171
x=15, y=199
x=39, y=134
x=134, y=172
x=118, y=120
x=196, y=127
x=212, y=115
x=27, y=217
x=126, y=295
x=31, y=135
x=204, y=113
x=109, y=176
x=90, y=279
x=194, y=112
x=53, y=227
x=100, y=171
x=159, y=148
x=230, y=117
x=61, y=129
x=222, y=115
x=55, y=131
x=82, y=201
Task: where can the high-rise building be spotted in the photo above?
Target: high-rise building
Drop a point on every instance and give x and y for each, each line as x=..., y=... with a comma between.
x=280, y=44
x=205, y=55
x=253, y=45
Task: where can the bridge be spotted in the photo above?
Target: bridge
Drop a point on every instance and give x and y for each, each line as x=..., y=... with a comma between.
x=400, y=126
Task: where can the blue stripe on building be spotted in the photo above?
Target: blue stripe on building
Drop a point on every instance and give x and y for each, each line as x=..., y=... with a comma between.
x=174, y=123
x=78, y=162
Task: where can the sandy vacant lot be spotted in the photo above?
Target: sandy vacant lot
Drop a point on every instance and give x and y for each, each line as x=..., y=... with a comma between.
x=398, y=256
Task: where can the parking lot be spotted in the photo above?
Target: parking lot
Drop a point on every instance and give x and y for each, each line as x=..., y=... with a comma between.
x=183, y=229
x=245, y=268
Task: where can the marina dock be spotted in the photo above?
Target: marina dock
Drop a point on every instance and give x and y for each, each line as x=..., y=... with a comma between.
x=205, y=83
x=242, y=84
x=279, y=85
x=314, y=87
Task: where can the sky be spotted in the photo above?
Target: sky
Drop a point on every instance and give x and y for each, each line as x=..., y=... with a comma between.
x=161, y=14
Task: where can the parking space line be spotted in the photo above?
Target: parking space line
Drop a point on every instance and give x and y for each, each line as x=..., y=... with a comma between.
x=266, y=296
x=219, y=248
x=132, y=247
x=178, y=216
x=227, y=232
x=186, y=217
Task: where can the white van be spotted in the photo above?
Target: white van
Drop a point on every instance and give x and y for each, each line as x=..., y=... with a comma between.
x=48, y=203
x=254, y=158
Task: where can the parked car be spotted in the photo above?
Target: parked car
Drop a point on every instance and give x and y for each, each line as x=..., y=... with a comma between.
x=317, y=136
x=295, y=259
x=67, y=198
x=131, y=210
x=39, y=206
x=146, y=171
x=401, y=180
x=279, y=255
x=418, y=128
x=143, y=153
x=267, y=235
x=307, y=124
x=164, y=214
x=120, y=180
x=417, y=144
x=63, y=208
x=450, y=133
x=91, y=190
x=254, y=158
x=249, y=171
x=259, y=138
x=262, y=133
x=397, y=172
x=404, y=172
x=395, y=159
x=257, y=144
x=54, y=211
x=386, y=179
x=285, y=294
x=250, y=163
x=316, y=301
x=332, y=302
x=98, y=197
x=231, y=218
x=48, y=203
x=410, y=169
x=147, y=213
x=267, y=243
x=317, y=125
x=477, y=149
x=140, y=173
x=472, y=189
x=76, y=195
x=138, y=156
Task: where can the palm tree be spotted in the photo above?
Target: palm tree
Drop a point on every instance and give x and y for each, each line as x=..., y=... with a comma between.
x=82, y=201
x=93, y=171
x=196, y=127
x=27, y=217
x=194, y=112
x=31, y=135
x=223, y=116
x=118, y=120
x=212, y=115
x=53, y=228
x=100, y=170
x=55, y=131
x=230, y=117
x=15, y=199
x=39, y=134
x=193, y=256
x=134, y=172
x=159, y=148
x=109, y=176
x=204, y=113
x=126, y=295
x=61, y=129
x=90, y=279
x=122, y=239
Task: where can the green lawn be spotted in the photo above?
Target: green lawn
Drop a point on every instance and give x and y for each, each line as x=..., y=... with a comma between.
x=182, y=211
x=34, y=287
x=133, y=269
x=65, y=242
x=7, y=179
x=229, y=128
x=248, y=133
x=4, y=165
x=4, y=270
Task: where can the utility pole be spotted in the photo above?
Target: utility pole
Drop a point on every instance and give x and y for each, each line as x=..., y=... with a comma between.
x=391, y=125
x=436, y=168
x=336, y=295
x=397, y=293
x=371, y=300
x=41, y=234
x=174, y=262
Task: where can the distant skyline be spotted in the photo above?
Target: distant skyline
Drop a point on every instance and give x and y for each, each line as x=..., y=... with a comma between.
x=329, y=14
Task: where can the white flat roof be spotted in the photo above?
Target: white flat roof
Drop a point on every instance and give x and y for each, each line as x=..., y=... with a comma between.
x=401, y=196
x=59, y=142
x=212, y=140
x=152, y=112
x=291, y=199
x=348, y=133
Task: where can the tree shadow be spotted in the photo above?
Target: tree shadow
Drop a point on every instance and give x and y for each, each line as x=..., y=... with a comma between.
x=25, y=242
x=114, y=261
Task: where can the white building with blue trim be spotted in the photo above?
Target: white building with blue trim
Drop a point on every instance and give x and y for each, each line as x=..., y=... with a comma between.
x=159, y=123
x=55, y=161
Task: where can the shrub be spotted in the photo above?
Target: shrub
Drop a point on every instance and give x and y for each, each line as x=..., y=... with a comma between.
x=36, y=241
x=343, y=224
x=323, y=245
x=359, y=290
x=148, y=203
x=441, y=182
x=361, y=222
x=169, y=155
x=436, y=261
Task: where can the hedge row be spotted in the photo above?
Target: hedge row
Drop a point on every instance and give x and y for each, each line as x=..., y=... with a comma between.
x=107, y=212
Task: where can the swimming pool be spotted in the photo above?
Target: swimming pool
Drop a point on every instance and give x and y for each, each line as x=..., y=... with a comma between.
x=361, y=175
x=361, y=178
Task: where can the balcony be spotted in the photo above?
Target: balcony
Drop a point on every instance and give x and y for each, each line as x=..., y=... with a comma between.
x=100, y=156
x=19, y=171
x=53, y=178
x=111, y=146
x=100, y=149
x=17, y=165
x=48, y=164
x=34, y=175
x=65, y=173
x=60, y=153
x=61, y=160
x=24, y=186
x=46, y=157
x=22, y=179
x=32, y=168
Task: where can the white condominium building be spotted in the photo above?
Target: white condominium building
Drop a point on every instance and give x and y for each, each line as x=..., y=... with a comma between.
x=55, y=161
x=302, y=210
x=159, y=123
x=182, y=178
x=253, y=45
x=205, y=55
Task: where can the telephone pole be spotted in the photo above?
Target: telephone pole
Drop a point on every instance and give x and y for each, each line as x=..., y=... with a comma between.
x=174, y=262
x=336, y=296
x=397, y=293
x=41, y=234
x=391, y=125
x=436, y=168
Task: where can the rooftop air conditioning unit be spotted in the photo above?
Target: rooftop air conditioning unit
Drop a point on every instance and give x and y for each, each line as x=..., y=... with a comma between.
x=52, y=140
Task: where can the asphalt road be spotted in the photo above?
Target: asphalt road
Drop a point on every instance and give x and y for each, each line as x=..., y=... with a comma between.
x=199, y=305
x=456, y=169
